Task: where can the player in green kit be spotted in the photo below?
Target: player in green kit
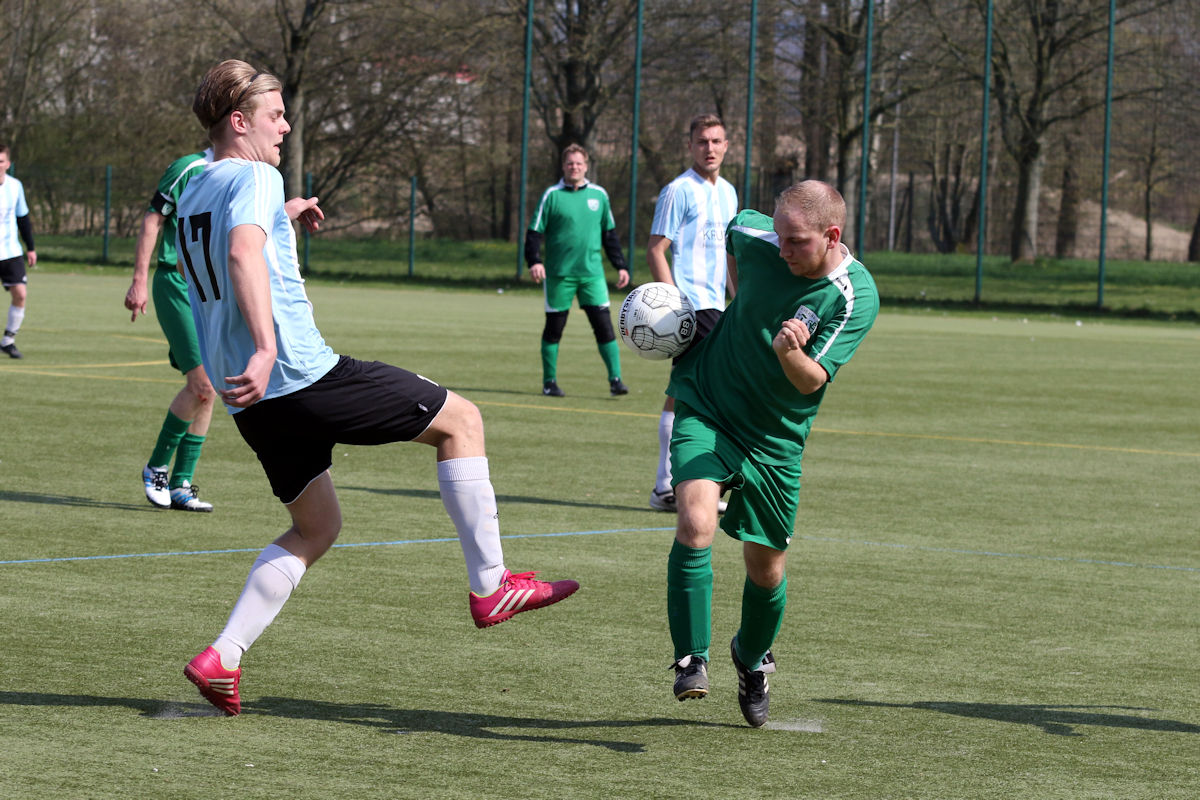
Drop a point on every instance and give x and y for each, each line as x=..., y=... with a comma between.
x=575, y=221
x=185, y=426
x=803, y=306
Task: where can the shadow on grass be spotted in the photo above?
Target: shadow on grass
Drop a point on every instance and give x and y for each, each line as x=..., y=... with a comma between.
x=1055, y=720
x=459, y=723
x=501, y=499
x=375, y=715
x=71, y=500
x=157, y=709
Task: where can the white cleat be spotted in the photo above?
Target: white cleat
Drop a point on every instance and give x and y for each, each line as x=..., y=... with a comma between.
x=155, y=481
x=186, y=498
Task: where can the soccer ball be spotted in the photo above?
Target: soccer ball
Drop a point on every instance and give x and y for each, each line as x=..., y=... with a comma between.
x=656, y=321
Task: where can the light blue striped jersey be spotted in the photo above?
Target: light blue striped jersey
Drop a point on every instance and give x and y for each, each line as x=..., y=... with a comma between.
x=693, y=214
x=229, y=193
x=12, y=205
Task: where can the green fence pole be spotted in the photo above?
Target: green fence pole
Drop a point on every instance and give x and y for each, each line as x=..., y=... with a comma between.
x=107, y=209
x=308, y=192
x=746, y=173
x=1108, y=89
x=981, y=240
x=412, y=225
x=524, y=134
x=633, y=155
x=861, y=223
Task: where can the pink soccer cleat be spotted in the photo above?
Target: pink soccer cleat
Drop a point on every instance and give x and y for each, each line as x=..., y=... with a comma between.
x=218, y=685
x=518, y=593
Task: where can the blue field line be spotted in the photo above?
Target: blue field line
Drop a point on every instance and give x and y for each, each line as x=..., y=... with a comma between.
x=820, y=539
x=166, y=554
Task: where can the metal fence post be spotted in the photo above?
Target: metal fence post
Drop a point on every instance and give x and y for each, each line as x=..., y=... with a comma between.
x=107, y=209
x=308, y=190
x=412, y=225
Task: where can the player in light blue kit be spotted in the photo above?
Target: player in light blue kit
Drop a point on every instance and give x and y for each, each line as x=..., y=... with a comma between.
x=689, y=222
x=292, y=397
x=14, y=221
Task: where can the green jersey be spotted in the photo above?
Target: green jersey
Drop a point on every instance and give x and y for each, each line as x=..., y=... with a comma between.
x=573, y=221
x=733, y=376
x=166, y=198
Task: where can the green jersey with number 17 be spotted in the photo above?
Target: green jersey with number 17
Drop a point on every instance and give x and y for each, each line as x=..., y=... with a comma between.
x=734, y=377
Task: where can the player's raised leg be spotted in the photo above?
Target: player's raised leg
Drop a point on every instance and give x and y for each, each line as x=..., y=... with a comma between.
x=467, y=494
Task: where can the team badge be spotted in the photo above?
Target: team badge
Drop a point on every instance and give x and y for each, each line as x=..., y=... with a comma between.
x=809, y=318
x=593, y=204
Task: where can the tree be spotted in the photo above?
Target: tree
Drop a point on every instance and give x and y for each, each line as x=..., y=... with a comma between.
x=582, y=47
x=1043, y=51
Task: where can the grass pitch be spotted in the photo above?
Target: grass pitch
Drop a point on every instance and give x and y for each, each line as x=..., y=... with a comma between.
x=992, y=589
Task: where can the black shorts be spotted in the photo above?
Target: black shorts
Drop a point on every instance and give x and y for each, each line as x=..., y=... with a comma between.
x=357, y=402
x=12, y=271
x=706, y=320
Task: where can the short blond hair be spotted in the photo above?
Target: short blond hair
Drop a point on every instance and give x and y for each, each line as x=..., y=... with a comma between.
x=820, y=204
x=575, y=148
x=702, y=122
x=230, y=86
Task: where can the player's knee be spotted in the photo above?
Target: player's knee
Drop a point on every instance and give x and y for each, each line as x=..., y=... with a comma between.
x=601, y=321
x=556, y=321
x=459, y=419
x=764, y=565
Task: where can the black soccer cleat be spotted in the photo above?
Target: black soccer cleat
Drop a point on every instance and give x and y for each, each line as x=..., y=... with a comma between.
x=753, y=697
x=550, y=389
x=691, y=678
x=615, y=387
x=11, y=349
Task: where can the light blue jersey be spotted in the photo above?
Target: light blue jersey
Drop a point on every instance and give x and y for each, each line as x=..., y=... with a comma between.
x=12, y=205
x=693, y=214
x=229, y=193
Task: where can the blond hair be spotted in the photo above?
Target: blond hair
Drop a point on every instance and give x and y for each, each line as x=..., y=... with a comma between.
x=818, y=202
x=230, y=86
x=703, y=122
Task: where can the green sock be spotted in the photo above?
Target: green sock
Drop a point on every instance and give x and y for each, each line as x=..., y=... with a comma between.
x=549, y=361
x=173, y=429
x=185, y=459
x=762, y=616
x=612, y=359
x=689, y=599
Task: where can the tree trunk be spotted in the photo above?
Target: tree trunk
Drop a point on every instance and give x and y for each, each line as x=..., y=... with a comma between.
x=293, y=143
x=1194, y=242
x=1068, y=211
x=1023, y=242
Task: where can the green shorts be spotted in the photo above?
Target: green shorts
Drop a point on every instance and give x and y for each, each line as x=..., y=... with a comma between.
x=592, y=291
x=175, y=318
x=763, y=498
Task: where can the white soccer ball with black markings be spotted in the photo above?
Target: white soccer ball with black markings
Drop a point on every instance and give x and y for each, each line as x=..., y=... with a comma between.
x=657, y=321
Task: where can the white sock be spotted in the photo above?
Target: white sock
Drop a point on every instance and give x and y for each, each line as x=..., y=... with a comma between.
x=470, y=501
x=662, y=481
x=16, y=315
x=275, y=573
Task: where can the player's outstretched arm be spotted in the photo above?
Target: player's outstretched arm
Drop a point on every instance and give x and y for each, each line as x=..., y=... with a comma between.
x=138, y=294
x=804, y=373
x=252, y=290
x=305, y=210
